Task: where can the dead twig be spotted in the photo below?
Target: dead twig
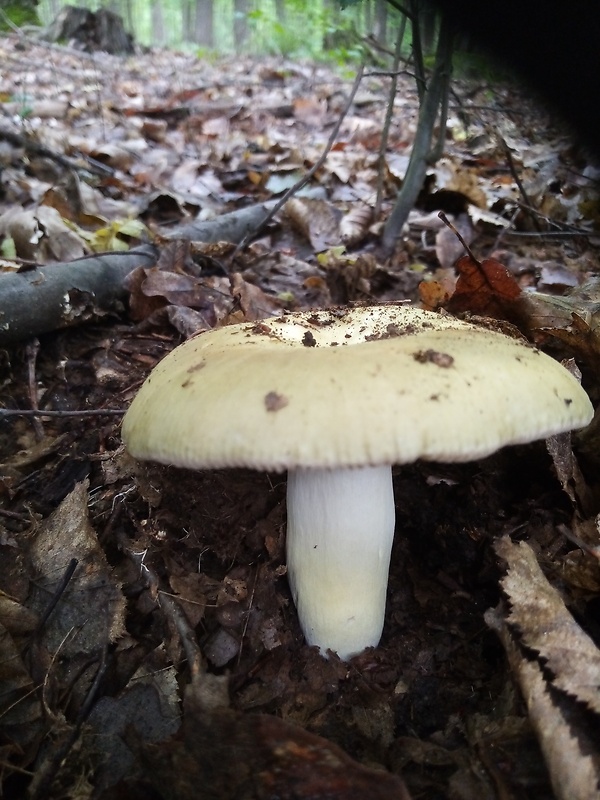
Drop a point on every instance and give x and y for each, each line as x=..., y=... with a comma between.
x=35, y=148
x=92, y=412
x=58, y=593
x=170, y=607
x=46, y=773
x=32, y=350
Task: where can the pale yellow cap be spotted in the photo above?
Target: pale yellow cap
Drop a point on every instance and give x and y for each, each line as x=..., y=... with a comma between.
x=384, y=384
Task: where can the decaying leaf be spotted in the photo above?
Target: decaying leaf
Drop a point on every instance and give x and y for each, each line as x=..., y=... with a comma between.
x=483, y=287
x=447, y=247
x=546, y=626
x=20, y=707
x=573, y=772
x=41, y=235
x=90, y=612
x=255, y=304
x=17, y=619
x=149, y=705
x=560, y=448
x=548, y=311
x=354, y=225
x=562, y=678
x=316, y=220
x=433, y=294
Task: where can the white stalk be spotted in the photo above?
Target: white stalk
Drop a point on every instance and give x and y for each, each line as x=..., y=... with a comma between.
x=340, y=528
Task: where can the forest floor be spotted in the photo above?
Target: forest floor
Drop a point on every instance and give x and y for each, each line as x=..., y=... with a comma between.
x=150, y=645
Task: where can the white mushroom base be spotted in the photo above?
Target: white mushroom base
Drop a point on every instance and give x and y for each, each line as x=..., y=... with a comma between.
x=339, y=540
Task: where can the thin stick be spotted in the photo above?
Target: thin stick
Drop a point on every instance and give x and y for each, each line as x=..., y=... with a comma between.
x=32, y=351
x=389, y=113
x=17, y=412
x=58, y=593
x=447, y=222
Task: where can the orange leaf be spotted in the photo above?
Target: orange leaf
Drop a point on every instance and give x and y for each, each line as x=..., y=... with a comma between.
x=432, y=295
x=483, y=287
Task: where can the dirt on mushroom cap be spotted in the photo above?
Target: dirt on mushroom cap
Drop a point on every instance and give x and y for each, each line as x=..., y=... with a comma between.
x=367, y=385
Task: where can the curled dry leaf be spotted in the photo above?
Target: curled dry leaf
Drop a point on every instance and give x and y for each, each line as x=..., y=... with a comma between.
x=316, y=220
x=573, y=771
x=546, y=626
x=354, y=225
x=565, y=674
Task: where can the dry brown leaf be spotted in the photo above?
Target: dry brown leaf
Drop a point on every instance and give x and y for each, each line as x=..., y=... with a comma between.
x=567, y=469
x=560, y=449
x=574, y=319
x=354, y=225
x=17, y=619
x=316, y=220
x=91, y=610
x=546, y=626
x=41, y=235
x=20, y=708
x=253, y=301
x=574, y=773
x=484, y=287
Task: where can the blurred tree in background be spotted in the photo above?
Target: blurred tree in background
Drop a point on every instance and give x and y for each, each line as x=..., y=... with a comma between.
x=301, y=28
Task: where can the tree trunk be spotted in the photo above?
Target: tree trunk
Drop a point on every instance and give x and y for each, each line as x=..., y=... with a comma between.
x=420, y=155
x=381, y=20
x=188, y=12
x=92, y=30
x=240, y=23
x=203, y=23
x=158, y=24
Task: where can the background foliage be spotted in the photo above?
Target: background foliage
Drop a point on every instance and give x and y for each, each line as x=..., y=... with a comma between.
x=289, y=27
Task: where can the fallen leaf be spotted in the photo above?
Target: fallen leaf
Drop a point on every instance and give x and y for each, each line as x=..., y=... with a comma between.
x=20, y=706
x=483, y=287
x=546, y=626
x=567, y=747
x=354, y=225
x=90, y=611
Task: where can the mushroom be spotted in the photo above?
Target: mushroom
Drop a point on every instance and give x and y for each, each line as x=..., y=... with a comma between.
x=336, y=398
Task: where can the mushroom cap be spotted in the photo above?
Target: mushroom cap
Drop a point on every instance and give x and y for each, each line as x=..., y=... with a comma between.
x=384, y=384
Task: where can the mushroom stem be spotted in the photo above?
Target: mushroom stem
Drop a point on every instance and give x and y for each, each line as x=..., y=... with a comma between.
x=339, y=540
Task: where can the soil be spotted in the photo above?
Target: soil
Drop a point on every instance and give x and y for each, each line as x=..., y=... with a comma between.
x=434, y=702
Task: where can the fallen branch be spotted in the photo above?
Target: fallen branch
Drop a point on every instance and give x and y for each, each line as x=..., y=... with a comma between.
x=43, y=299
x=35, y=413
x=31, y=146
x=231, y=227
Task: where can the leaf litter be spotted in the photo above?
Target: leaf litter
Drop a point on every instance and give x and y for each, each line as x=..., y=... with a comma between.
x=146, y=625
